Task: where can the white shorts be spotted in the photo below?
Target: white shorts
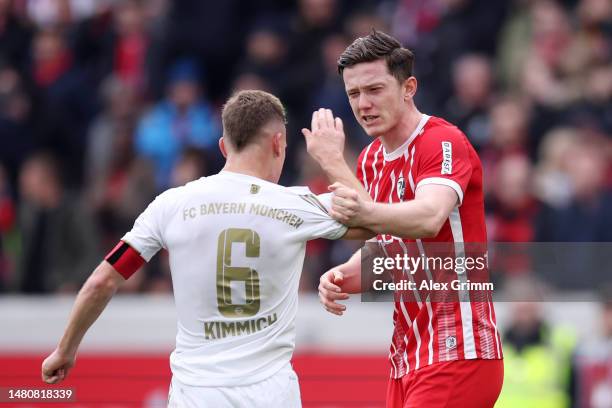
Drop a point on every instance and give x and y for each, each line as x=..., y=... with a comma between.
x=280, y=390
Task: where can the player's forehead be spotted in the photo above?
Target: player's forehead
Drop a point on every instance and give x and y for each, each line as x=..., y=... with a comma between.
x=366, y=74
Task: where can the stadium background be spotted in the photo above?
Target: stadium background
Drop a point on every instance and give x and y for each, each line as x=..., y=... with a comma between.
x=105, y=103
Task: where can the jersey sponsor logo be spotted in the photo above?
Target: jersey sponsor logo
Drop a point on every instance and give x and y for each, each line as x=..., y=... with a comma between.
x=401, y=188
x=447, y=158
x=222, y=329
x=451, y=342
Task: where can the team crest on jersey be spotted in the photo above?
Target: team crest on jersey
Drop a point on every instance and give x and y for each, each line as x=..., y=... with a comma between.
x=451, y=342
x=254, y=189
x=401, y=188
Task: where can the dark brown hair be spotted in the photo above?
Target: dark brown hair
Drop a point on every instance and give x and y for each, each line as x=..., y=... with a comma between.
x=246, y=112
x=378, y=45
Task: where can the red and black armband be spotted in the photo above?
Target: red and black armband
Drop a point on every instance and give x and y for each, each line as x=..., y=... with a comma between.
x=125, y=259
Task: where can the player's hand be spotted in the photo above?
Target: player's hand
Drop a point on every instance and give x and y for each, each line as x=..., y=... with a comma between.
x=330, y=291
x=348, y=208
x=55, y=368
x=325, y=138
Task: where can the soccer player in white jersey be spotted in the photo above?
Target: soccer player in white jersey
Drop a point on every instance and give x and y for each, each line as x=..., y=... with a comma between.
x=236, y=242
x=419, y=184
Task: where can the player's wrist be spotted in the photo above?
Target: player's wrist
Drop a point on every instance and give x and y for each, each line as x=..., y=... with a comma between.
x=368, y=215
x=65, y=353
x=332, y=163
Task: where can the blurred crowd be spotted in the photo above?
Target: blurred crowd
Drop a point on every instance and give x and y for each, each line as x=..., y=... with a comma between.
x=106, y=103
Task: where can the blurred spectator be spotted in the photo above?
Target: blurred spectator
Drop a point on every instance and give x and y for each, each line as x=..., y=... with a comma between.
x=213, y=31
x=266, y=53
x=316, y=20
x=537, y=359
x=552, y=184
x=64, y=104
x=586, y=217
x=15, y=36
x=190, y=167
x=59, y=241
x=594, y=362
x=131, y=43
x=413, y=20
x=117, y=41
x=7, y=221
x=594, y=109
x=331, y=93
x=15, y=130
x=121, y=110
x=250, y=80
x=511, y=205
x=508, y=135
x=361, y=23
x=473, y=87
x=184, y=118
x=120, y=194
x=59, y=13
x=534, y=50
x=465, y=26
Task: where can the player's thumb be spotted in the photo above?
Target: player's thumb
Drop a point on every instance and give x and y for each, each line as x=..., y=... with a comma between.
x=334, y=186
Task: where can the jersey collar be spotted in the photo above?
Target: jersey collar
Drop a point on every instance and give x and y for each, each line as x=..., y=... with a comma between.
x=400, y=150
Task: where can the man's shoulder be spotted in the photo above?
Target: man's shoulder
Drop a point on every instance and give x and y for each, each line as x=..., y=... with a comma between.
x=174, y=194
x=439, y=127
x=436, y=133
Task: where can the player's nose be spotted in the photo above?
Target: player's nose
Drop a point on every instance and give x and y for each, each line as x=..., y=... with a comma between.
x=363, y=103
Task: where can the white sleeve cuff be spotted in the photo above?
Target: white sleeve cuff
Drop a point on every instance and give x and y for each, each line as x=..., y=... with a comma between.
x=444, y=182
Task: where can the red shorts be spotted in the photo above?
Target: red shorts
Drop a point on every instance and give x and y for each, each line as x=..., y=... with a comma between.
x=460, y=384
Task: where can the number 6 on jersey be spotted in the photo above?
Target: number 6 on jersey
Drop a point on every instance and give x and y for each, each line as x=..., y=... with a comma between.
x=226, y=273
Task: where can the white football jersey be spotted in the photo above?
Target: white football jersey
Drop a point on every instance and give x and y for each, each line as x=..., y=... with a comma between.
x=236, y=245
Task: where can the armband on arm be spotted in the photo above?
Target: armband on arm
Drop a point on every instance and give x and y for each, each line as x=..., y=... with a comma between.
x=125, y=259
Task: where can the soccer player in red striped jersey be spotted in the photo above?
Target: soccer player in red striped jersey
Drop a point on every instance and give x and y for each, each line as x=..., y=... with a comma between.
x=421, y=180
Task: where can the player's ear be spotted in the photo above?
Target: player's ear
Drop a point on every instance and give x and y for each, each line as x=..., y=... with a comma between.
x=222, y=147
x=409, y=88
x=277, y=144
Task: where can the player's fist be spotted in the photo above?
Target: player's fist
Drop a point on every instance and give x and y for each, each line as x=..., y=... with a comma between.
x=348, y=207
x=55, y=368
x=325, y=138
x=330, y=291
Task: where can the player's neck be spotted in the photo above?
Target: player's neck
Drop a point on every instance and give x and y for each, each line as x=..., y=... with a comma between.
x=249, y=165
x=397, y=135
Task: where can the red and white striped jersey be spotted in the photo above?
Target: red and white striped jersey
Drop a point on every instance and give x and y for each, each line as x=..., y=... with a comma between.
x=427, y=332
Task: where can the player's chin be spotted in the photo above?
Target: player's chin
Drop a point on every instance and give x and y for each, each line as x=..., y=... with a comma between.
x=374, y=130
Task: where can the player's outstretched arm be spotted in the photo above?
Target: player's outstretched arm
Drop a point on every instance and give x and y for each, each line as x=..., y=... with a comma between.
x=422, y=217
x=325, y=143
x=89, y=304
x=337, y=283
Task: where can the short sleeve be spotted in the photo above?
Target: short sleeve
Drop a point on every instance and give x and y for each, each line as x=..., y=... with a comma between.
x=444, y=158
x=317, y=221
x=145, y=237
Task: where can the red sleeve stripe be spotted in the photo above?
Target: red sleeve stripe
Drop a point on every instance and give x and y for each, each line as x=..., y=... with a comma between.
x=125, y=259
